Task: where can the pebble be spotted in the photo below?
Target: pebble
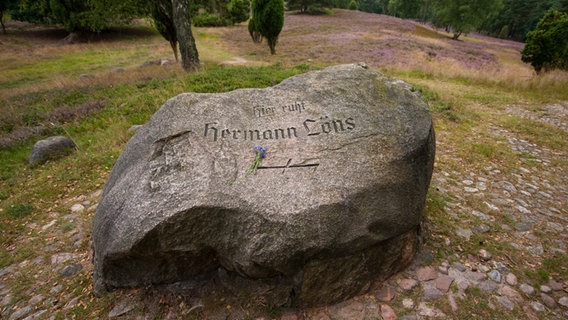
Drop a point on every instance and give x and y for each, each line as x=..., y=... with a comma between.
x=408, y=284
x=35, y=300
x=459, y=266
x=482, y=228
x=431, y=294
x=425, y=274
x=387, y=313
x=555, y=226
x=464, y=233
x=56, y=289
x=443, y=283
x=548, y=300
x=488, y=286
x=408, y=303
x=481, y=215
x=452, y=301
x=563, y=302
x=121, y=308
x=443, y=269
x=49, y=225
x=20, y=313
x=522, y=226
x=77, y=208
x=523, y=210
x=510, y=293
x=483, y=268
x=511, y=279
x=556, y=286
x=491, y=207
x=71, y=269
x=485, y=255
x=386, y=293
x=71, y=304
x=506, y=303
x=6, y=301
x=425, y=311
x=60, y=258
x=537, y=306
x=536, y=250
x=545, y=289
x=527, y=289
x=37, y=315
x=495, y=275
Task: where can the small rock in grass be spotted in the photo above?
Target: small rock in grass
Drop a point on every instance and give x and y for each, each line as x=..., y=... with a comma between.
x=506, y=303
x=71, y=269
x=431, y=294
x=408, y=303
x=386, y=293
x=511, y=279
x=387, y=313
x=425, y=274
x=537, y=306
x=408, y=284
x=443, y=283
x=548, y=301
x=563, y=302
x=485, y=255
x=545, y=289
x=495, y=275
x=488, y=286
x=527, y=289
x=556, y=286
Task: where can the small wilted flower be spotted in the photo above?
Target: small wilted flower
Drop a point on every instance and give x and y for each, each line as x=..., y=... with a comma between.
x=260, y=153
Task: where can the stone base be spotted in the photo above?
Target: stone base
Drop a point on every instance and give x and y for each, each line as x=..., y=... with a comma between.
x=330, y=281
x=323, y=282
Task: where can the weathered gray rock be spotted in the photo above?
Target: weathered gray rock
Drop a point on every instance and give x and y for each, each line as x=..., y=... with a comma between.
x=51, y=148
x=335, y=205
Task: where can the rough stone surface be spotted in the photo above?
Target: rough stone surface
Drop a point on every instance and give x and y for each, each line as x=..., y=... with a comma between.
x=563, y=302
x=511, y=279
x=386, y=293
x=336, y=203
x=548, y=300
x=408, y=284
x=443, y=283
x=71, y=269
x=506, y=303
x=425, y=274
x=387, y=313
x=527, y=289
x=51, y=148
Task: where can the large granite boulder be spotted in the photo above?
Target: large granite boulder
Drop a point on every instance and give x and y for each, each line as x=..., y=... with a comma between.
x=335, y=205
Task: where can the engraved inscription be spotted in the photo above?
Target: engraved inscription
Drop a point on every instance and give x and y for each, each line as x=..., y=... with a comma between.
x=309, y=128
x=262, y=111
x=290, y=165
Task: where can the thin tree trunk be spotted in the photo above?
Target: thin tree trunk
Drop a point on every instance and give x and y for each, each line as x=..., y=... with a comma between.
x=182, y=23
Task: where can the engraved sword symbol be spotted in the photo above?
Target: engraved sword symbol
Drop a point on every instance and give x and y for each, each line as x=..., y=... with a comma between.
x=290, y=165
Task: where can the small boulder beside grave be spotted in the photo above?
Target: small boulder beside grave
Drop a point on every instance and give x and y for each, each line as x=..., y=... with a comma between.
x=51, y=148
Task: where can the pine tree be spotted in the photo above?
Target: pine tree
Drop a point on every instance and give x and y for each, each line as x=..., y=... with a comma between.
x=268, y=20
x=546, y=47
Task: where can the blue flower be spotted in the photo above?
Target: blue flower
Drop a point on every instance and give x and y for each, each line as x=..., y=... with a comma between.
x=260, y=150
x=260, y=154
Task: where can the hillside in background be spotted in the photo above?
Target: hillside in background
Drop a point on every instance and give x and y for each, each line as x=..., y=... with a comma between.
x=496, y=225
